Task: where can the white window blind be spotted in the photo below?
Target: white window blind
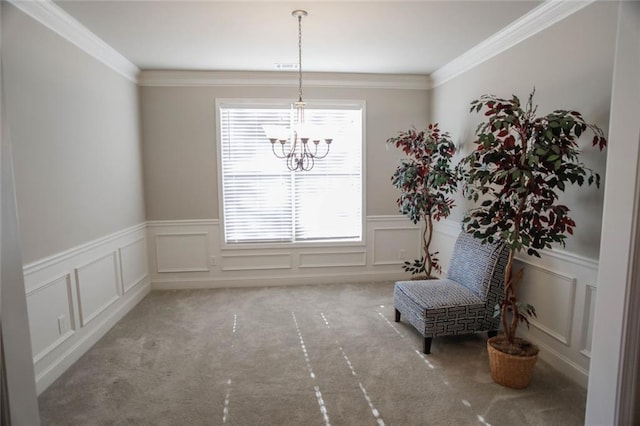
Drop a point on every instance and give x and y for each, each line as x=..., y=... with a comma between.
x=265, y=202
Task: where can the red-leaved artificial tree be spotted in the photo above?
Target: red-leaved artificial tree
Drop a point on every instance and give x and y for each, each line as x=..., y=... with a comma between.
x=519, y=164
x=426, y=180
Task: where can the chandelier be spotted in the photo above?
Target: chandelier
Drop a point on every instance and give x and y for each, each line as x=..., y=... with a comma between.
x=299, y=143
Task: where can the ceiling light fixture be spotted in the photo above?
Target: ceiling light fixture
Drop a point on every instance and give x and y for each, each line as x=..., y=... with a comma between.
x=299, y=142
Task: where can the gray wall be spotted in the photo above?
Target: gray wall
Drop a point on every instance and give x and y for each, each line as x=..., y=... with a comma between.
x=179, y=137
x=75, y=129
x=571, y=65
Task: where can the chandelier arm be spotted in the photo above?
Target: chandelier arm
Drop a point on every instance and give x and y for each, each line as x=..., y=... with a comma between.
x=312, y=155
x=291, y=162
x=320, y=157
x=307, y=163
x=289, y=151
x=273, y=149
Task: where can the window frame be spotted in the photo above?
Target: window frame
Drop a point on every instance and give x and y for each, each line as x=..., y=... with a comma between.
x=286, y=103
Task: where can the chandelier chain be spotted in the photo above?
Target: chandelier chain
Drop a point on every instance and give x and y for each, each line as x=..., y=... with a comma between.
x=300, y=58
x=300, y=149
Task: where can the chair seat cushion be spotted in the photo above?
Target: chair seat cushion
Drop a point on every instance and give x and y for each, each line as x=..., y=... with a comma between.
x=439, y=307
x=436, y=294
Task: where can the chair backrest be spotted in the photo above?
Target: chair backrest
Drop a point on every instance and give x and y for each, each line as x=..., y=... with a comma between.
x=479, y=267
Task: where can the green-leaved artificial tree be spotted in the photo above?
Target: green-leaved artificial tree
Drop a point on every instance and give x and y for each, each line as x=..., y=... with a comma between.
x=513, y=175
x=426, y=181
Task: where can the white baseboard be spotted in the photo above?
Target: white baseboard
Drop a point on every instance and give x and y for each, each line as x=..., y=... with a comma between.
x=564, y=364
x=351, y=277
x=74, y=297
x=55, y=369
x=191, y=254
x=60, y=288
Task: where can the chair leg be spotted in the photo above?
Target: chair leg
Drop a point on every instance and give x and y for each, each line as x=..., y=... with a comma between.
x=427, y=345
x=492, y=333
x=397, y=315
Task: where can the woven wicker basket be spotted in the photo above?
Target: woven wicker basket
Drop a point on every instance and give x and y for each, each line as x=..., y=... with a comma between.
x=511, y=371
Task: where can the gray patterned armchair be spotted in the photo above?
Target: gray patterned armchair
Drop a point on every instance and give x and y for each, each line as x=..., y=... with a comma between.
x=462, y=303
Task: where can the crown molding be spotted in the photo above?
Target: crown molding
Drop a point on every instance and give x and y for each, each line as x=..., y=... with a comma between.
x=53, y=17
x=537, y=20
x=284, y=79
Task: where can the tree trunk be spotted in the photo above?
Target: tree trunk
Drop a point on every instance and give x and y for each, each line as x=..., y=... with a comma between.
x=508, y=296
x=426, y=242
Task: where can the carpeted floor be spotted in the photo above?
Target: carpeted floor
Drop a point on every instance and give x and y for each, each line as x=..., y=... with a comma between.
x=308, y=355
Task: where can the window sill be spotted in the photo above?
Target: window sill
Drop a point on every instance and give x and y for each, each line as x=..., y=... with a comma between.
x=288, y=245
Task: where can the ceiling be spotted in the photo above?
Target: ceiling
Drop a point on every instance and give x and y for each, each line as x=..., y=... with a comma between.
x=396, y=37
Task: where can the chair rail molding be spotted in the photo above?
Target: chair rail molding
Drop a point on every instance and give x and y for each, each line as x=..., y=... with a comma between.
x=376, y=258
x=74, y=297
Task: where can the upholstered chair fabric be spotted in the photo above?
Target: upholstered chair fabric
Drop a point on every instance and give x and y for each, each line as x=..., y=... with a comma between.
x=462, y=303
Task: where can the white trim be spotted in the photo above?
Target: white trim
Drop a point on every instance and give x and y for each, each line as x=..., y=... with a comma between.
x=60, y=351
x=302, y=265
x=183, y=234
x=537, y=20
x=448, y=227
x=74, y=251
x=72, y=324
x=47, y=283
x=628, y=388
x=216, y=222
x=57, y=20
x=348, y=104
x=376, y=262
x=563, y=364
x=126, y=287
x=587, y=316
x=54, y=345
x=562, y=340
x=71, y=355
x=249, y=267
x=573, y=282
x=282, y=79
x=388, y=217
x=183, y=283
x=86, y=318
x=188, y=222
x=452, y=228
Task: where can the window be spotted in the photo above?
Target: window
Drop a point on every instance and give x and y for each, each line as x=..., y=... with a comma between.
x=262, y=201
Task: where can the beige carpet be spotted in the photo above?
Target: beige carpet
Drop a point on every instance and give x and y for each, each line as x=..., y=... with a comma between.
x=308, y=355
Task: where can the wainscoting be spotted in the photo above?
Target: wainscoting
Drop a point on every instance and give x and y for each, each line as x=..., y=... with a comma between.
x=191, y=254
x=76, y=296
x=562, y=288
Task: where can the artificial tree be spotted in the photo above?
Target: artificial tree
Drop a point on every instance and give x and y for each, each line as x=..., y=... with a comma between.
x=519, y=164
x=426, y=180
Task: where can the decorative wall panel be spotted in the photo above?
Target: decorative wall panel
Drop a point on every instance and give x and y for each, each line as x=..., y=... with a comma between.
x=98, y=286
x=76, y=296
x=560, y=285
x=135, y=266
x=51, y=315
x=182, y=252
x=333, y=259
